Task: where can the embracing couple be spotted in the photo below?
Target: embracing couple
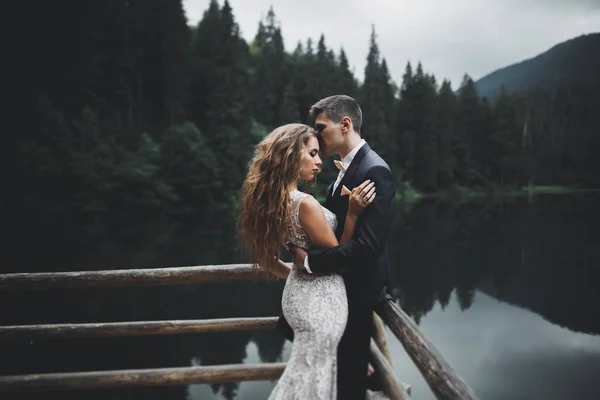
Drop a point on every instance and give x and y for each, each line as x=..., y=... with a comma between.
x=340, y=250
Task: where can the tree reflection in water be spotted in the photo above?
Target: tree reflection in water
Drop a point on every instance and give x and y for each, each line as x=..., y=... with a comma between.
x=539, y=256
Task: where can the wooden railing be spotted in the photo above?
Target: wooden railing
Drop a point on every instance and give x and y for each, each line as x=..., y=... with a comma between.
x=130, y=277
x=142, y=377
x=442, y=379
x=440, y=376
x=137, y=328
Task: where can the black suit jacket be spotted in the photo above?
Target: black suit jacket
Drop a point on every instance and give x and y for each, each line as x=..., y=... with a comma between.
x=364, y=261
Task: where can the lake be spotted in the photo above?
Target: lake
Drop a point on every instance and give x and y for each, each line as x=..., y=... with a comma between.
x=507, y=291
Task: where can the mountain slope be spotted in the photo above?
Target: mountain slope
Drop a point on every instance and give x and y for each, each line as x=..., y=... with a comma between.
x=575, y=60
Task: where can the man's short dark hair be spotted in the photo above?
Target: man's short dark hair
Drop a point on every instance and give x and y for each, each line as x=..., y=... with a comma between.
x=337, y=107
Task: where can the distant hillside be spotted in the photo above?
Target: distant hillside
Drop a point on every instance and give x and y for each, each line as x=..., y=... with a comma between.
x=576, y=60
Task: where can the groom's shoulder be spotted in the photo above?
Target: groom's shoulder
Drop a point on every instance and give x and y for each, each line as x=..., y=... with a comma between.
x=375, y=160
x=376, y=166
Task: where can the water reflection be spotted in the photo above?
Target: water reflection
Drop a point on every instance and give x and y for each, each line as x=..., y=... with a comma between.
x=506, y=291
x=542, y=257
x=506, y=352
x=243, y=390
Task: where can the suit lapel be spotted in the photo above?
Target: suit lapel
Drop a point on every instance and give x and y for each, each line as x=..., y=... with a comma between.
x=330, y=189
x=353, y=166
x=335, y=202
x=328, y=197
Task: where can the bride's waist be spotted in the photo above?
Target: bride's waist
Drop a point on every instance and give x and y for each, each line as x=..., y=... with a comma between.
x=300, y=273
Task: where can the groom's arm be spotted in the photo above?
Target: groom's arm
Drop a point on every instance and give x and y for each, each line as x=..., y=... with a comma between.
x=373, y=228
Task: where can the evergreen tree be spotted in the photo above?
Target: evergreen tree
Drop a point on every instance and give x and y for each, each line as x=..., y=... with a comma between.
x=404, y=126
x=388, y=100
x=426, y=107
x=504, y=138
x=346, y=83
x=204, y=55
x=221, y=104
x=446, y=134
x=302, y=65
x=325, y=72
x=373, y=102
x=139, y=114
x=269, y=73
x=467, y=146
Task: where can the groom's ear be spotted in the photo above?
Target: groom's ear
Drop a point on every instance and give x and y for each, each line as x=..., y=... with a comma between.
x=346, y=124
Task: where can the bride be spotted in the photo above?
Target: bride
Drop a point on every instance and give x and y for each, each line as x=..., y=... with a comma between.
x=274, y=213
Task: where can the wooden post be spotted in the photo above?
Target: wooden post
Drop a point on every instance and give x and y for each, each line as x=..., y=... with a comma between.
x=131, y=277
x=141, y=377
x=379, y=336
x=445, y=383
x=391, y=387
x=135, y=328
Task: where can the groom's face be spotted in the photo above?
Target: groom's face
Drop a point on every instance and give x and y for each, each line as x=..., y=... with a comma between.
x=329, y=134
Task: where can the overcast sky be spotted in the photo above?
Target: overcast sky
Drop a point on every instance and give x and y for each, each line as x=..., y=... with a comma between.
x=450, y=37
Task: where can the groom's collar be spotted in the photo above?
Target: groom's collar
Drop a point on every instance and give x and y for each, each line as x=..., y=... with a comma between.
x=358, y=157
x=356, y=160
x=346, y=161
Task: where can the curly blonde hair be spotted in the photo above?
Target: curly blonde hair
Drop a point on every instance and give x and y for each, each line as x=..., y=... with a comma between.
x=264, y=195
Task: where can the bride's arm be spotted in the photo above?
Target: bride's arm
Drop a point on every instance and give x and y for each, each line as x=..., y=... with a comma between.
x=312, y=218
x=282, y=270
x=355, y=207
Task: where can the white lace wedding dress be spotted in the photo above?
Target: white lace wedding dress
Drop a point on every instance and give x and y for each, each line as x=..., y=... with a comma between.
x=316, y=307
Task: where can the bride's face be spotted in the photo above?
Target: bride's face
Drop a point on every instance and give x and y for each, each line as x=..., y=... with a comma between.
x=311, y=162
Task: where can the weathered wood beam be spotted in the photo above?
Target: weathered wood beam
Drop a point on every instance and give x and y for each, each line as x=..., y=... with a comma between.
x=131, y=277
x=134, y=328
x=379, y=336
x=391, y=387
x=445, y=383
x=142, y=377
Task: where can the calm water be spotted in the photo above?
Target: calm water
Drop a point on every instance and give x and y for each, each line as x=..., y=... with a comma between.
x=509, y=293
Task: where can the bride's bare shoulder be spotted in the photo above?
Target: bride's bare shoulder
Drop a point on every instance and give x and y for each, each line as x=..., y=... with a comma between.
x=310, y=208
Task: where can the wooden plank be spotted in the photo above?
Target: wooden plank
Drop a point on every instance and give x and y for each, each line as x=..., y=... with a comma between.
x=142, y=377
x=131, y=277
x=443, y=380
x=134, y=328
x=391, y=387
x=379, y=336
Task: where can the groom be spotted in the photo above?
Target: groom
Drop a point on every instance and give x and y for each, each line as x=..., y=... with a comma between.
x=364, y=261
